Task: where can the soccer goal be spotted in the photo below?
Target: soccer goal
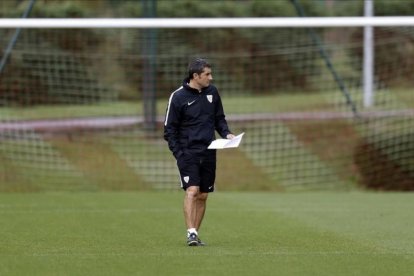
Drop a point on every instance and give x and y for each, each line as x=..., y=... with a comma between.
x=82, y=101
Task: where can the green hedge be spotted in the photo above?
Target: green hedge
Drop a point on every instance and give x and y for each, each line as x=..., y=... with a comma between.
x=250, y=72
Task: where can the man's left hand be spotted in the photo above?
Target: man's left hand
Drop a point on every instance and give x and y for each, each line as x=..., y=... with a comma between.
x=230, y=136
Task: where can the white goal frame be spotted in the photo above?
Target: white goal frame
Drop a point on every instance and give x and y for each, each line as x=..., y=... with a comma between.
x=248, y=22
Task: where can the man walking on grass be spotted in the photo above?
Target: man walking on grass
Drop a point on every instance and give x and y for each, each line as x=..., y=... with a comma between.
x=194, y=113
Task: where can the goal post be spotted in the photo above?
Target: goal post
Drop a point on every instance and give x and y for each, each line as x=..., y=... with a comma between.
x=72, y=118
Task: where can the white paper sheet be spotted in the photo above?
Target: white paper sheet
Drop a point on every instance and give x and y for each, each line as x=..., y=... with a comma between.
x=226, y=143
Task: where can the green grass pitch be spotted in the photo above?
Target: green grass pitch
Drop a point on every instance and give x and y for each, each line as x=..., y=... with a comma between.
x=247, y=233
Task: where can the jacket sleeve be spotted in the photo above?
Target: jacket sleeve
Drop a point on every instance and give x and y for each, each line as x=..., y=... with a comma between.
x=172, y=126
x=220, y=119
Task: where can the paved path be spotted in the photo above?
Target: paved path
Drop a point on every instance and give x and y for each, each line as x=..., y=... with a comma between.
x=61, y=125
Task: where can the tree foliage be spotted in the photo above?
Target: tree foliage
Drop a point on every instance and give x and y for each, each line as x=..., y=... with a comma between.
x=252, y=45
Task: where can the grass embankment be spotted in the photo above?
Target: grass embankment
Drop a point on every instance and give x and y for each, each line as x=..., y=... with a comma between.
x=321, y=150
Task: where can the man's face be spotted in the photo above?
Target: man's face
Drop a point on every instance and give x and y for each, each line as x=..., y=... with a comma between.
x=204, y=79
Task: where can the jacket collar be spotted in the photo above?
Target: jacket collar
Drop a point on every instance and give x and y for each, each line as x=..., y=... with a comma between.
x=186, y=81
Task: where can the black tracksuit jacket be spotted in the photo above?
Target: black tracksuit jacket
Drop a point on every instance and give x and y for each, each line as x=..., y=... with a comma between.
x=192, y=117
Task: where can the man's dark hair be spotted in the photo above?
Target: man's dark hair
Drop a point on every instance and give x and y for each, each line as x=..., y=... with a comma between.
x=197, y=65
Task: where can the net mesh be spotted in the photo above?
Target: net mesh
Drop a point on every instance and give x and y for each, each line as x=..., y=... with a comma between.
x=75, y=107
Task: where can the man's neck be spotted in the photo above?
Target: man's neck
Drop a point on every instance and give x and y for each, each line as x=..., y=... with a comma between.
x=193, y=85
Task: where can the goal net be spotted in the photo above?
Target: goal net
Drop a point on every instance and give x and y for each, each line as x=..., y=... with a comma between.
x=83, y=108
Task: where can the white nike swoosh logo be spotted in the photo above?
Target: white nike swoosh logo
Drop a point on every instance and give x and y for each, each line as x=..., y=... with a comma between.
x=190, y=103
